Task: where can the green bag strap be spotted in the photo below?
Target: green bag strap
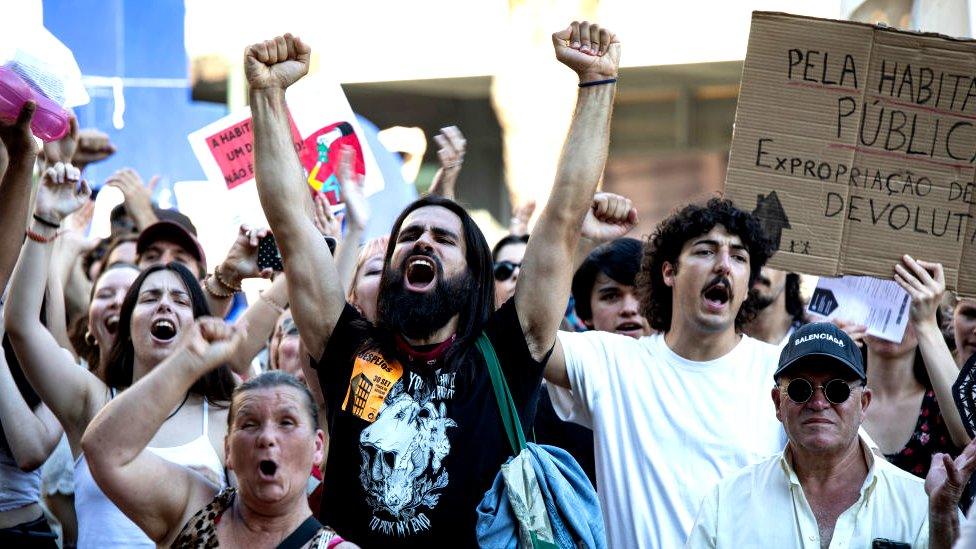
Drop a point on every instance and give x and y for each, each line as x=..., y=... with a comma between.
x=506, y=406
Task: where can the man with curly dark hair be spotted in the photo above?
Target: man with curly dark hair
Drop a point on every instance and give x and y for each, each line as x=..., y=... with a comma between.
x=779, y=307
x=676, y=411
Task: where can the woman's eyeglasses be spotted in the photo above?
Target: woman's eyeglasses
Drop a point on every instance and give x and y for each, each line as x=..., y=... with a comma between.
x=836, y=391
x=505, y=269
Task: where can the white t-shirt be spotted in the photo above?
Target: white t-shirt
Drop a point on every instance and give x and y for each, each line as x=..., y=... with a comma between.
x=666, y=429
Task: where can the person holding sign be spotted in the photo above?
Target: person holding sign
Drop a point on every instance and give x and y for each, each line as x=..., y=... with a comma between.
x=674, y=412
x=416, y=438
x=828, y=487
x=912, y=414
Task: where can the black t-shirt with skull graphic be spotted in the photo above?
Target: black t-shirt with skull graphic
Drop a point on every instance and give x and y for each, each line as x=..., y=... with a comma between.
x=413, y=449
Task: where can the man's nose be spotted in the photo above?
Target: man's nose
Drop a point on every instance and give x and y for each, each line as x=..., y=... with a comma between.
x=723, y=262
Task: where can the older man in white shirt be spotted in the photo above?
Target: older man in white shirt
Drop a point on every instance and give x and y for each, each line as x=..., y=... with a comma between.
x=828, y=489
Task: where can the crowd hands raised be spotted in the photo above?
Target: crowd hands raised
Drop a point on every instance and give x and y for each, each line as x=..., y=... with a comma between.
x=684, y=376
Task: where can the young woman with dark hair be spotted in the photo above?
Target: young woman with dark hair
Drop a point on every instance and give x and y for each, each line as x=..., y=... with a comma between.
x=160, y=304
x=912, y=414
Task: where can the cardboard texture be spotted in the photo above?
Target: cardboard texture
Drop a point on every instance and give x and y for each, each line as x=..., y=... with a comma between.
x=856, y=144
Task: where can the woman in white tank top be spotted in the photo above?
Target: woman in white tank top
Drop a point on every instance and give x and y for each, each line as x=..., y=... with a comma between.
x=146, y=325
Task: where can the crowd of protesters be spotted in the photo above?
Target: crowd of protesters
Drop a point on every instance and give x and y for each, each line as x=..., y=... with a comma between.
x=354, y=403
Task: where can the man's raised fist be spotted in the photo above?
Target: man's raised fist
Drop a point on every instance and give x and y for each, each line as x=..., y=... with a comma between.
x=590, y=50
x=276, y=63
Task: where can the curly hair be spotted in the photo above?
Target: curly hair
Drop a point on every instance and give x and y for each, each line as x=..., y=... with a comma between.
x=670, y=236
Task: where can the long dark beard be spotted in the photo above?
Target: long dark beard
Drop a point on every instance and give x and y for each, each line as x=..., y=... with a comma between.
x=418, y=316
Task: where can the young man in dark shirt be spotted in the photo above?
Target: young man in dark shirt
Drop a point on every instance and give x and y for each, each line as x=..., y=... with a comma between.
x=416, y=437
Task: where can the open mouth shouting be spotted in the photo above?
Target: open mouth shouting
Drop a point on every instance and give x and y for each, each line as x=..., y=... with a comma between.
x=111, y=324
x=421, y=273
x=163, y=330
x=717, y=295
x=267, y=469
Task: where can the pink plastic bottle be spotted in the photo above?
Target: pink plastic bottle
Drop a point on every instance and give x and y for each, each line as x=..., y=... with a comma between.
x=50, y=121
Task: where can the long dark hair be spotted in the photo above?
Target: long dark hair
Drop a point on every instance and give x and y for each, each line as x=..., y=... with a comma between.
x=473, y=317
x=216, y=386
x=78, y=331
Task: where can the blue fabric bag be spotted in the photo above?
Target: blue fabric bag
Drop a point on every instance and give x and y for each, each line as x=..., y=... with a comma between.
x=541, y=498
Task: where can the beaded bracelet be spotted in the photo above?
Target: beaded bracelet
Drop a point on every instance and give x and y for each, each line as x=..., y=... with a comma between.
x=37, y=237
x=223, y=282
x=208, y=285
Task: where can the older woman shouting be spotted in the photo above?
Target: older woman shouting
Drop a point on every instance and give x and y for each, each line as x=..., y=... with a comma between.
x=272, y=442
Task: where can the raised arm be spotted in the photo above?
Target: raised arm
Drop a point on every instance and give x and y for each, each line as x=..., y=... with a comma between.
x=156, y=494
x=925, y=283
x=543, y=287
x=260, y=319
x=314, y=288
x=138, y=196
x=68, y=390
x=450, y=151
x=31, y=434
x=20, y=152
x=357, y=216
x=944, y=485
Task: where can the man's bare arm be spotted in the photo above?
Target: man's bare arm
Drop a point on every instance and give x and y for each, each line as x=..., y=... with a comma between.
x=543, y=288
x=314, y=288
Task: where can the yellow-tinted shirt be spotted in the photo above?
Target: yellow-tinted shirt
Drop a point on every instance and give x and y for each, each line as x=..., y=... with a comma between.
x=763, y=505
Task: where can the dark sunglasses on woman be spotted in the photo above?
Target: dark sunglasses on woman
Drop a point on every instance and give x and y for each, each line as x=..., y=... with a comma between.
x=505, y=269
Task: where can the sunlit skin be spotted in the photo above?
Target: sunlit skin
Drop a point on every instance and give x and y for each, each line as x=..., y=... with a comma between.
x=505, y=289
x=162, y=252
x=615, y=308
x=367, y=285
x=106, y=302
x=272, y=424
x=125, y=252
x=819, y=426
x=162, y=299
x=775, y=287
x=964, y=329
x=703, y=258
x=439, y=232
x=891, y=350
x=286, y=347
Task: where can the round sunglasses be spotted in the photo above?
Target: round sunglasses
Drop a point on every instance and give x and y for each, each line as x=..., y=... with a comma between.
x=504, y=270
x=836, y=391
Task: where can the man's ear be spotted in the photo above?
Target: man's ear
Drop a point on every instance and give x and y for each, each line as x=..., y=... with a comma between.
x=865, y=399
x=777, y=396
x=668, y=271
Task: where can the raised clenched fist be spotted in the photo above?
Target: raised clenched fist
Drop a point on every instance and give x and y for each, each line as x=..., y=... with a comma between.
x=276, y=63
x=590, y=50
x=61, y=193
x=611, y=216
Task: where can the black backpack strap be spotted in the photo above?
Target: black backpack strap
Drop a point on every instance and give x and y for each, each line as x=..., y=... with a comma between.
x=302, y=535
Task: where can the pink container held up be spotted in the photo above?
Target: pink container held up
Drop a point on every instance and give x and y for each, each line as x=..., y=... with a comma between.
x=50, y=121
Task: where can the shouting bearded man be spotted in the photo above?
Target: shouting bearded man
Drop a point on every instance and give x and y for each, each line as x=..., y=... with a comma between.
x=416, y=437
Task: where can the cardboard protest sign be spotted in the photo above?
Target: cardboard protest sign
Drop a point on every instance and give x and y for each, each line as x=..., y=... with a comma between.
x=321, y=122
x=856, y=144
